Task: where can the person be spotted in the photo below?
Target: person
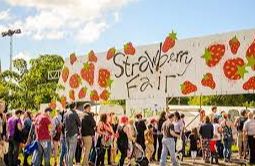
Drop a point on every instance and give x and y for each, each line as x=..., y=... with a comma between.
x=249, y=133
x=43, y=137
x=227, y=127
x=88, y=125
x=132, y=130
x=109, y=148
x=213, y=113
x=206, y=132
x=27, y=127
x=104, y=132
x=56, y=134
x=241, y=142
x=213, y=150
x=149, y=141
x=161, y=120
x=194, y=140
x=115, y=125
x=71, y=125
x=217, y=133
x=63, y=147
x=122, y=140
x=14, y=128
x=78, y=151
x=140, y=128
x=155, y=138
x=168, y=141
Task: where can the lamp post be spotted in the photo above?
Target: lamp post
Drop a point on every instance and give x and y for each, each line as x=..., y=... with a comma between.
x=10, y=33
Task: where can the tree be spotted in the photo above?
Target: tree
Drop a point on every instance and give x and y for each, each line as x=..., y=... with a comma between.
x=27, y=88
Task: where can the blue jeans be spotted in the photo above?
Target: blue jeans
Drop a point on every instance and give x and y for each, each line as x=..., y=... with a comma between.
x=71, y=144
x=63, y=152
x=43, y=151
x=168, y=146
x=227, y=148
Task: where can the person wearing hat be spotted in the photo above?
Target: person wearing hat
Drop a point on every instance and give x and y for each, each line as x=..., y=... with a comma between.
x=42, y=131
x=14, y=128
x=88, y=125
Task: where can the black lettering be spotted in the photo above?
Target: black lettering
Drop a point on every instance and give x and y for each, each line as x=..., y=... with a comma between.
x=132, y=86
x=126, y=67
x=133, y=65
x=166, y=81
x=143, y=67
x=118, y=65
x=145, y=84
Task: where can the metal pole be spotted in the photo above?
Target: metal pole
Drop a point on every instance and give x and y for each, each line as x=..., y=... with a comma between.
x=11, y=49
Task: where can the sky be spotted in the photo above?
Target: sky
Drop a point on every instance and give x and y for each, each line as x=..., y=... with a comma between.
x=65, y=26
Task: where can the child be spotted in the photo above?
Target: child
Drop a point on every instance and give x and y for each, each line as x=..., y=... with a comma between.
x=193, y=143
x=213, y=149
x=149, y=142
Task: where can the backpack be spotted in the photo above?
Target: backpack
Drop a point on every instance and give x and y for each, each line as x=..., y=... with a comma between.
x=58, y=130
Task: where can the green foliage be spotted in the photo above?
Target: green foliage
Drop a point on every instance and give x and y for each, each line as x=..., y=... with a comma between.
x=27, y=88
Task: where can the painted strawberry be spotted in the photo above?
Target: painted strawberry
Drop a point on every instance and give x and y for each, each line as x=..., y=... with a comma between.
x=250, y=55
x=65, y=74
x=92, y=56
x=105, y=95
x=75, y=81
x=87, y=72
x=250, y=84
x=213, y=54
x=82, y=93
x=73, y=58
x=169, y=42
x=187, y=87
x=94, y=96
x=129, y=49
x=234, y=44
x=72, y=95
x=63, y=101
x=234, y=69
x=208, y=81
x=104, y=78
x=110, y=53
x=53, y=104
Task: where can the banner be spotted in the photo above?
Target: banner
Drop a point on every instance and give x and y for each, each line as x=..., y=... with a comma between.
x=211, y=65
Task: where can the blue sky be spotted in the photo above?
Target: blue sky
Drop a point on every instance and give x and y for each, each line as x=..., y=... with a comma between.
x=52, y=27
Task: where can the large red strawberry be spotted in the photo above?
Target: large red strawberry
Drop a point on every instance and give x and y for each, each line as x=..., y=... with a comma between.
x=104, y=78
x=169, y=42
x=250, y=84
x=213, y=54
x=110, y=53
x=72, y=95
x=73, y=58
x=250, y=55
x=94, y=96
x=75, y=81
x=82, y=93
x=234, y=69
x=129, y=49
x=234, y=44
x=65, y=74
x=92, y=56
x=63, y=101
x=87, y=72
x=208, y=81
x=105, y=95
x=187, y=87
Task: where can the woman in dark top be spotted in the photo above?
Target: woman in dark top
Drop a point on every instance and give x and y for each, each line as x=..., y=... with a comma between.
x=193, y=137
x=122, y=141
x=206, y=132
x=140, y=127
x=161, y=120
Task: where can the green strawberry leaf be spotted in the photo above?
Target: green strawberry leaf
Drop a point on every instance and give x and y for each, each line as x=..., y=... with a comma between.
x=86, y=65
x=241, y=70
x=182, y=87
x=207, y=55
x=172, y=35
x=251, y=61
x=109, y=83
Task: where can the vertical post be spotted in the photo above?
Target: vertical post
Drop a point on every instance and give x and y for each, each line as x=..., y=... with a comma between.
x=11, y=49
x=179, y=100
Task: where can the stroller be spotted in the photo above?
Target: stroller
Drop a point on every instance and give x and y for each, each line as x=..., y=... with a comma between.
x=137, y=156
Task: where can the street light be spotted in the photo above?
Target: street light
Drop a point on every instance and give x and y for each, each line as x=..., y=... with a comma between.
x=10, y=33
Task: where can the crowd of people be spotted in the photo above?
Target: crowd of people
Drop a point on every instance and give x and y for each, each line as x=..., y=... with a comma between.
x=71, y=138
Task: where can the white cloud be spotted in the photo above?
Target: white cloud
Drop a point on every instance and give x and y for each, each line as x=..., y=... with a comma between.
x=22, y=55
x=116, y=16
x=55, y=19
x=4, y=15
